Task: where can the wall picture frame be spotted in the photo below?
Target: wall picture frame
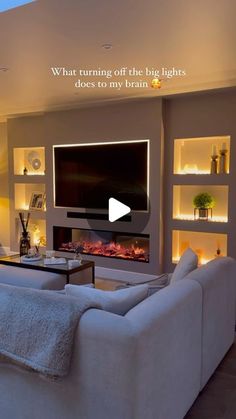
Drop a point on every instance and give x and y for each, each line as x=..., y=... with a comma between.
x=37, y=201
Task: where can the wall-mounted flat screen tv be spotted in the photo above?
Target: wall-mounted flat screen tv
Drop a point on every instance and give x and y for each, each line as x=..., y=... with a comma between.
x=87, y=175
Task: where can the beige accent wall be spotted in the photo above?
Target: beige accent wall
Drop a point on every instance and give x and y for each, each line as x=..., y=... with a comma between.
x=132, y=120
x=4, y=190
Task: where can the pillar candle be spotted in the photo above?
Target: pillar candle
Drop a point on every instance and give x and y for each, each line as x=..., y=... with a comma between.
x=213, y=150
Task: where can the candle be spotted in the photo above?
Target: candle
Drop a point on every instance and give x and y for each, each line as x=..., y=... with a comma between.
x=213, y=150
x=224, y=147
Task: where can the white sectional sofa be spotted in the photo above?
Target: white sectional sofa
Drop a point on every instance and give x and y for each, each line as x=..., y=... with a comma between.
x=27, y=278
x=150, y=363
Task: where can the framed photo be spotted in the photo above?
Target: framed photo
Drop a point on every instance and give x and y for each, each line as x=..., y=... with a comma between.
x=37, y=201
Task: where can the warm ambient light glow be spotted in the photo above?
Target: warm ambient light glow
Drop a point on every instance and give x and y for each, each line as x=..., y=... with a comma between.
x=12, y=4
x=190, y=217
x=36, y=235
x=23, y=207
x=203, y=261
x=193, y=172
x=34, y=173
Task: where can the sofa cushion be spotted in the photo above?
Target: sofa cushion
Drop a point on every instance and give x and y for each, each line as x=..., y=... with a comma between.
x=31, y=278
x=153, y=285
x=118, y=302
x=187, y=263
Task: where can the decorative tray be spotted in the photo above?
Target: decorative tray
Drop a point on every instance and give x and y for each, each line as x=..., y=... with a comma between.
x=30, y=258
x=54, y=261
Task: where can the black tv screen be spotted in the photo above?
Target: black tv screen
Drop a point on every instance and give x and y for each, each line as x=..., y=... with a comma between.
x=86, y=176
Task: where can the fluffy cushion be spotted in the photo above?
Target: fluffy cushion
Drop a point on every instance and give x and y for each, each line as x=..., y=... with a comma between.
x=118, y=302
x=187, y=263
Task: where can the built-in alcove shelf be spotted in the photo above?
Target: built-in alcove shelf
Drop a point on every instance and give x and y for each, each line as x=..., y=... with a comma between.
x=200, y=226
x=192, y=176
x=183, y=208
x=28, y=178
x=23, y=193
x=193, y=155
x=191, y=179
x=34, y=215
x=29, y=161
x=206, y=245
x=37, y=231
x=28, y=195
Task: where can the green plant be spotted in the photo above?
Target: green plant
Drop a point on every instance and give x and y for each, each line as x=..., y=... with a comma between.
x=204, y=200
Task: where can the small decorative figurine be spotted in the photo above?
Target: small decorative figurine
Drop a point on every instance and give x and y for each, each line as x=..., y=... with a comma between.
x=25, y=171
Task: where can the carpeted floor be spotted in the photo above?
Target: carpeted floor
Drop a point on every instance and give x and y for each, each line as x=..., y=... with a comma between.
x=218, y=398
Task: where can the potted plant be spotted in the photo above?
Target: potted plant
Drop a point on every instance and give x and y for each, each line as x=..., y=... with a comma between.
x=203, y=202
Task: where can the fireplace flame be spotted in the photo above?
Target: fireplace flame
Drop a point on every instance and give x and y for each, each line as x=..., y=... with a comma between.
x=111, y=249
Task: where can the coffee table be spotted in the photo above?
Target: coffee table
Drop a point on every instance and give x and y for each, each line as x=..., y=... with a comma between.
x=62, y=269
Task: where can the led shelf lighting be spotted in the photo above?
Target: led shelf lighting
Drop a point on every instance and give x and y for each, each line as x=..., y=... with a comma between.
x=190, y=217
x=207, y=246
x=12, y=4
x=192, y=156
x=183, y=207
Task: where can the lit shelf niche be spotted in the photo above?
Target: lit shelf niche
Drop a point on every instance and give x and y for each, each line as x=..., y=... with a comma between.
x=23, y=194
x=193, y=155
x=37, y=231
x=30, y=158
x=204, y=244
x=183, y=208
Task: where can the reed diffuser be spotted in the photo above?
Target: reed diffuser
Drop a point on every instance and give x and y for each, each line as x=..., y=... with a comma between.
x=25, y=236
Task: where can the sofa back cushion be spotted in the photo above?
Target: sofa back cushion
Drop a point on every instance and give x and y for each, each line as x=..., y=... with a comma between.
x=187, y=263
x=118, y=302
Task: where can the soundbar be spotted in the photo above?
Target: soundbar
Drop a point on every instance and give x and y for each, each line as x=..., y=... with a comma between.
x=91, y=216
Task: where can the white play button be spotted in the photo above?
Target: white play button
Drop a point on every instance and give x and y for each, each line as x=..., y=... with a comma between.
x=117, y=209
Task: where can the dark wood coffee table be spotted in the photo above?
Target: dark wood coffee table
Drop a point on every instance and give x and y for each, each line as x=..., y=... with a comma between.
x=62, y=269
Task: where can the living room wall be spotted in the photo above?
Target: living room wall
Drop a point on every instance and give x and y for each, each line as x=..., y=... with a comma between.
x=4, y=190
x=121, y=121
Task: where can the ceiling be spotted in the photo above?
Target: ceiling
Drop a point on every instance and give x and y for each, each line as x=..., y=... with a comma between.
x=195, y=36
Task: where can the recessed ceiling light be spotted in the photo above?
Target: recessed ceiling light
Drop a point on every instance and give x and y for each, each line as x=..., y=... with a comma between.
x=107, y=46
x=12, y=4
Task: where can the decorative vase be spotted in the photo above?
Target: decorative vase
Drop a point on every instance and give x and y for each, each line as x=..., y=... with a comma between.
x=222, y=165
x=214, y=164
x=202, y=213
x=24, y=243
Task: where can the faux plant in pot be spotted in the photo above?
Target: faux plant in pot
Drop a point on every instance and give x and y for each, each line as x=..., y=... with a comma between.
x=203, y=202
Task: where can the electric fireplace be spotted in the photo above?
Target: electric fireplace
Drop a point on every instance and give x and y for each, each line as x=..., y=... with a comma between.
x=126, y=246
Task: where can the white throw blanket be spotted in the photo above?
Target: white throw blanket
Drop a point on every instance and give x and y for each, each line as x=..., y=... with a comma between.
x=37, y=328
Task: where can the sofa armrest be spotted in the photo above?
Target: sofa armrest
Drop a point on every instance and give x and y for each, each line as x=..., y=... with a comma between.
x=103, y=365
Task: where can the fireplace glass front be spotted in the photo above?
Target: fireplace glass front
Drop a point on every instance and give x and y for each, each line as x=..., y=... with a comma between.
x=128, y=246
